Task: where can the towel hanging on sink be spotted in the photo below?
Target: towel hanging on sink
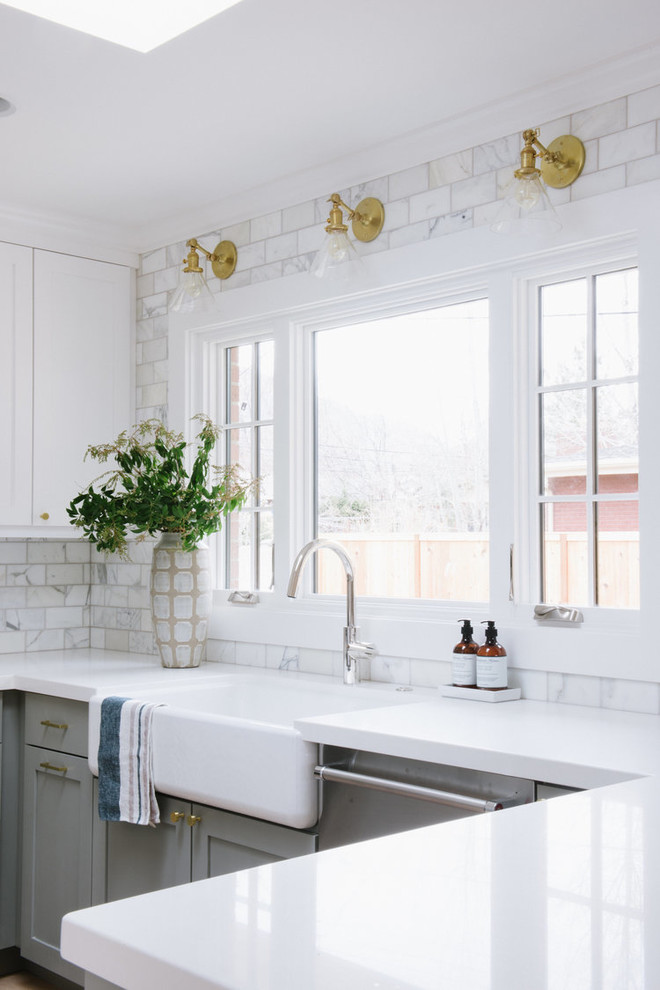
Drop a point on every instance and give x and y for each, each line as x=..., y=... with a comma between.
x=126, y=784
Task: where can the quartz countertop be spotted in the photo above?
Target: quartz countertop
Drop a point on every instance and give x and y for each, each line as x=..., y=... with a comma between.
x=559, y=895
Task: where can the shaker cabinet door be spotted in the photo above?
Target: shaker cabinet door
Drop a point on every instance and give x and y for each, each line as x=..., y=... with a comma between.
x=82, y=340
x=135, y=859
x=57, y=852
x=226, y=843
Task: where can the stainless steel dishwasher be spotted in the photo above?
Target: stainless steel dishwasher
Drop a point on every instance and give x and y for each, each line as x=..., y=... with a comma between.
x=366, y=795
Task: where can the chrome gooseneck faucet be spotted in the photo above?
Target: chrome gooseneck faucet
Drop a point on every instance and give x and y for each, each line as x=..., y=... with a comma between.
x=354, y=650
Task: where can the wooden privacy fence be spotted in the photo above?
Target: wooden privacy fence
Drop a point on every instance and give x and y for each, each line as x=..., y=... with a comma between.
x=454, y=567
x=567, y=568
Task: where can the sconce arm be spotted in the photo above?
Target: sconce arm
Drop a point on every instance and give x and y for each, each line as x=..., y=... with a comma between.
x=337, y=201
x=549, y=157
x=210, y=255
x=196, y=246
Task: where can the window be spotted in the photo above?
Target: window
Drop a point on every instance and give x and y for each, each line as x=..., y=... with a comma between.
x=245, y=389
x=587, y=395
x=401, y=453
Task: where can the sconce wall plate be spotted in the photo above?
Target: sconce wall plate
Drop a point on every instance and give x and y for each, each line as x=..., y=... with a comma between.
x=565, y=162
x=223, y=259
x=368, y=220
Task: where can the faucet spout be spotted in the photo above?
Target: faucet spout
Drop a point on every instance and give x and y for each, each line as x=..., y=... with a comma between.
x=353, y=650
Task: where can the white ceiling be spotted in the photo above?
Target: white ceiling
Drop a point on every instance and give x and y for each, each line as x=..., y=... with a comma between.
x=275, y=101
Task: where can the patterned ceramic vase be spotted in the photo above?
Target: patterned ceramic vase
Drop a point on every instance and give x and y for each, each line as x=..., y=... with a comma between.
x=180, y=601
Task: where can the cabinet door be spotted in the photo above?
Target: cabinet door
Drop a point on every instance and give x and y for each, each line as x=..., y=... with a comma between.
x=82, y=372
x=15, y=384
x=136, y=859
x=224, y=842
x=57, y=852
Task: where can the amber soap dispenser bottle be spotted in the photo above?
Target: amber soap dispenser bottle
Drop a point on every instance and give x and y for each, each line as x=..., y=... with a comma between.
x=491, y=661
x=464, y=658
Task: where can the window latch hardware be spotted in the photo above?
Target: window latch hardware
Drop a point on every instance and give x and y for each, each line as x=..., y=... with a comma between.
x=557, y=613
x=243, y=598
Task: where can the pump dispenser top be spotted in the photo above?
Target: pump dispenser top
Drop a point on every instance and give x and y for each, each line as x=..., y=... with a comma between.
x=491, y=632
x=466, y=630
x=491, y=661
x=463, y=659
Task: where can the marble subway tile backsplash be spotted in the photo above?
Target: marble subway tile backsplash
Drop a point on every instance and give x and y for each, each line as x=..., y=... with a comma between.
x=536, y=685
x=44, y=595
x=66, y=595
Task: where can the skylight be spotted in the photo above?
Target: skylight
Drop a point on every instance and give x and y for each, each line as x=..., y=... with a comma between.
x=138, y=24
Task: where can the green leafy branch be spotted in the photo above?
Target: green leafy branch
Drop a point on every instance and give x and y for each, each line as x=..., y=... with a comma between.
x=150, y=491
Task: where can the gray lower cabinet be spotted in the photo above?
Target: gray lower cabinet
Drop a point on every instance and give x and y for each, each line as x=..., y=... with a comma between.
x=223, y=842
x=57, y=852
x=136, y=859
x=58, y=819
x=192, y=842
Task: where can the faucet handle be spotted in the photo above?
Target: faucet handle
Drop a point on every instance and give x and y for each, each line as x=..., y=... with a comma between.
x=359, y=650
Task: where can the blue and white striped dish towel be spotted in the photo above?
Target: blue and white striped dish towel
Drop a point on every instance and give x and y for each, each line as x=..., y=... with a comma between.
x=126, y=782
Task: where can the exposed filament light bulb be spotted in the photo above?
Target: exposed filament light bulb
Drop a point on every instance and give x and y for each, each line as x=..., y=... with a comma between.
x=528, y=192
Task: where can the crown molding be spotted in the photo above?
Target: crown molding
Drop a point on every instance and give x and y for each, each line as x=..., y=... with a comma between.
x=537, y=105
x=68, y=235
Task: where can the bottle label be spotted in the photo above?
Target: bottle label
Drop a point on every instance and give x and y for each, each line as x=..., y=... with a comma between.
x=491, y=672
x=464, y=669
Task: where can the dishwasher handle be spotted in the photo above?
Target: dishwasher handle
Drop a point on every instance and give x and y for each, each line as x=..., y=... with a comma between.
x=335, y=775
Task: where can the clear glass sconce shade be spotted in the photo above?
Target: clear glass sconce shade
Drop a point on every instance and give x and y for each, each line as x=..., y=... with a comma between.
x=526, y=209
x=192, y=293
x=337, y=258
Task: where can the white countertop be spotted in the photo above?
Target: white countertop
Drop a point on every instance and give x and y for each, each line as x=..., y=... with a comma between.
x=78, y=674
x=560, y=895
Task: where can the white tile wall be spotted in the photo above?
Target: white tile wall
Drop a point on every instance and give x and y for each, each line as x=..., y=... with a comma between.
x=55, y=594
x=45, y=595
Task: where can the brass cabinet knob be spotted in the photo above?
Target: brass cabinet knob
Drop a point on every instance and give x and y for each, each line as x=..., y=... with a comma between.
x=45, y=515
x=176, y=816
x=52, y=766
x=193, y=820
x=54, y=725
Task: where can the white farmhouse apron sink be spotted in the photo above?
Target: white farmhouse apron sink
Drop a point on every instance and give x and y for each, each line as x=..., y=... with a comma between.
x=229, y=740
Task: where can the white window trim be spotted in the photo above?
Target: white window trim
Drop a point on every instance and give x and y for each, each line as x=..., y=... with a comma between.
x=286, y=306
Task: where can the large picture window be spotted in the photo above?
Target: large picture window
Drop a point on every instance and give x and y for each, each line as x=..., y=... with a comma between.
x=587, y=393
x=401, y=453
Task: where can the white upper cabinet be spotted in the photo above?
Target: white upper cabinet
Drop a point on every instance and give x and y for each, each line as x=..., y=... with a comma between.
x=72, y=381
x=81, y=373
x=15, y=384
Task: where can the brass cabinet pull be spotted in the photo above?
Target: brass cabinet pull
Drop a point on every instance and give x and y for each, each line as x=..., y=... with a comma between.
x=176, y=816
x=45, y=515
x=54, y=725
x=193, y=820
x=51, y=766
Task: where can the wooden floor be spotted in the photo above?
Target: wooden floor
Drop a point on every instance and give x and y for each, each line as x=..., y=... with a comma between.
x=23, y=981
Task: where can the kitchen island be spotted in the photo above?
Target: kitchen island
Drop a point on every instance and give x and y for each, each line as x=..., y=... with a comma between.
x=560, y=894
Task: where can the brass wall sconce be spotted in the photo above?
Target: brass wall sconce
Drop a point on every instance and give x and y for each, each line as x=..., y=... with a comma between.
x=526, y=206
x=193, y=291
x=366, y=220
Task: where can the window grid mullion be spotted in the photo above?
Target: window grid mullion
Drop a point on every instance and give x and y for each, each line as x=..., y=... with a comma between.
x=540, y=511
x=592, y=555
